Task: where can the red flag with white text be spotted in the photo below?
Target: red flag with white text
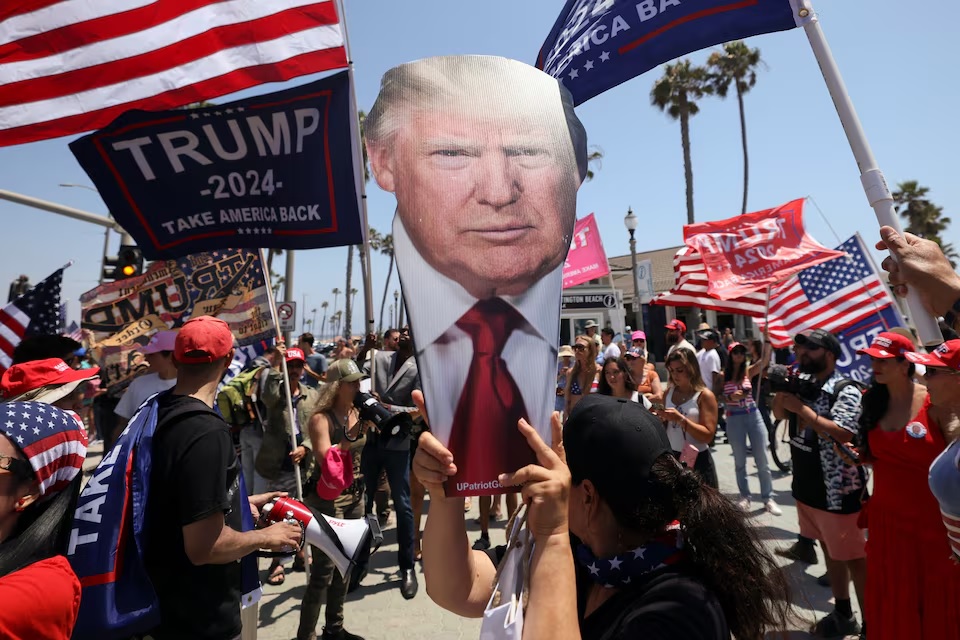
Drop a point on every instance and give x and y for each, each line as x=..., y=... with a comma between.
x=748, y=253
x=586, y=259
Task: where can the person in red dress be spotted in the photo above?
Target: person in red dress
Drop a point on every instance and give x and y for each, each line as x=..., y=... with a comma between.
x=913, y=590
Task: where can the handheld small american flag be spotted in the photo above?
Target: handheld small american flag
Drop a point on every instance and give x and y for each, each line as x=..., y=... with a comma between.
x=68, y=67
x=831, y=296
x=54, y=441
x=35, y=313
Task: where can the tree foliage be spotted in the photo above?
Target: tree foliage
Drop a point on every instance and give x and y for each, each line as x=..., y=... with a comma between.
x=923, y=217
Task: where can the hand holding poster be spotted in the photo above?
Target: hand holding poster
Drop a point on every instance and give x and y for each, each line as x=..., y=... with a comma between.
x=749, y=252
x=586, y=259
x=485, y=156
x=271, y=171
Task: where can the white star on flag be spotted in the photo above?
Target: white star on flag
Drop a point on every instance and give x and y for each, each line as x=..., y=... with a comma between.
x=615, y=563
x=604, y=56
x=594, y=569
x=588, y=66
x=36, y=431
x=638, y=553
x=574, y=74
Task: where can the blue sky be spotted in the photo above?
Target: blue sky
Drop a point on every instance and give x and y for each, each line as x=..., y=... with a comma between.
x=896, y=59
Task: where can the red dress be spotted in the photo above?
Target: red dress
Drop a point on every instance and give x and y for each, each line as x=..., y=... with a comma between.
x=913, y=585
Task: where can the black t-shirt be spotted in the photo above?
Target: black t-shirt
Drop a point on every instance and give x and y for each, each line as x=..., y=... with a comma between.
x=666, y=605
x=195, y=473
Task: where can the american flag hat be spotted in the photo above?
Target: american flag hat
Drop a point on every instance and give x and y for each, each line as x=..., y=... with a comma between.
x=53, y=441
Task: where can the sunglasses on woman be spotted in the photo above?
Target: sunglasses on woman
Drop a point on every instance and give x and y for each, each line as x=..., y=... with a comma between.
x=579, y=347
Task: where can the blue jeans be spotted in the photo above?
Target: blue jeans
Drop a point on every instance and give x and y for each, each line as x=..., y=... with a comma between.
x=739, y=427
x=397, y=464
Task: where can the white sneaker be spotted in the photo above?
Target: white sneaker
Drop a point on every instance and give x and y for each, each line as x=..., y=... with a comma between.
x=772, y=508
x=744, y=504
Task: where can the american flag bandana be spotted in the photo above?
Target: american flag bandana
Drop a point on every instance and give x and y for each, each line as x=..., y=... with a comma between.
x=54, y=442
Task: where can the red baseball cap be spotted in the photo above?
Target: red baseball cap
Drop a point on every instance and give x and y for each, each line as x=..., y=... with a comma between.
x=734, y=345
x=294, y=353
x=888, y=345
x=946, y=355
x=676, y=324
x=28, y=376
x=207, y=335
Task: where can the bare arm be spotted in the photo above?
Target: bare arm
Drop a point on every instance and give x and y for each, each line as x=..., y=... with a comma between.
x=319, y=430
x=211, y=541
x=458, y=579
x=704, y=430
x=656, y=389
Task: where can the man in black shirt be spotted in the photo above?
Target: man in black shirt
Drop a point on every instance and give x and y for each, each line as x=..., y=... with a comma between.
x=828, y=491
x=194, y=541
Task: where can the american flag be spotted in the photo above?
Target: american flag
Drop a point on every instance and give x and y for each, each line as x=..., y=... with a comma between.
x=35, y=313
x=831, y=296
x=68, y=66
x=54, y=441
x=73, y=331
x=691, y=283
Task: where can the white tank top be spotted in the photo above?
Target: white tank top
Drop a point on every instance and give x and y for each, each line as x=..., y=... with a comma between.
x=675, y=433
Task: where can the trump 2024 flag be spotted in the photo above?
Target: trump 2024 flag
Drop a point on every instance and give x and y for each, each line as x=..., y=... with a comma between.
x=597, y=44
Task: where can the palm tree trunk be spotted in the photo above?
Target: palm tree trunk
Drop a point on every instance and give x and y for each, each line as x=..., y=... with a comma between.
x=687, y=165
x=386, y=288
x=743, y=137
x=348, y=302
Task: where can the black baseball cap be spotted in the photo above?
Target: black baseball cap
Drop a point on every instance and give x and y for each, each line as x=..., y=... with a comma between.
x=820, y=338
x=613, y=442
x=708, y=334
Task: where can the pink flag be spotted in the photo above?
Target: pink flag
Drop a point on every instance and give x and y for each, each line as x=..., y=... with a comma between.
x=748, y=253
x=586, y=259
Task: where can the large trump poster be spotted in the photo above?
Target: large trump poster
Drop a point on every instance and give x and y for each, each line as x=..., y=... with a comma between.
x=485, y=156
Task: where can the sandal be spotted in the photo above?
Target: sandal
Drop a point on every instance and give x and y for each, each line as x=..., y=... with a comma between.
x=276, y=579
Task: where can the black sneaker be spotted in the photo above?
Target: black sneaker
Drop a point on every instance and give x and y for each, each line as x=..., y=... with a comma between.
x=799, y=552
x=482, y=543
x=340, y=634
x=835, y=625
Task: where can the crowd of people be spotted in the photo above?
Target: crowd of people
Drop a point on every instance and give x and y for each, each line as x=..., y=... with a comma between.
x=632, y=536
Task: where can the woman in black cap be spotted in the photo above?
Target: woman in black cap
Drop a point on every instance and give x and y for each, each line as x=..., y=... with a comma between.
x=628, y=542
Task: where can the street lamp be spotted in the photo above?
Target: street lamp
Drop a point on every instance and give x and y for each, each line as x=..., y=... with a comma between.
x=396, y=306
x=630, y=222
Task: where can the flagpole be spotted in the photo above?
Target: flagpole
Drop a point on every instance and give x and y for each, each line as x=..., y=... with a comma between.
x=360, y=172
x=286, y=396
x=766, y=341
x=874, y=184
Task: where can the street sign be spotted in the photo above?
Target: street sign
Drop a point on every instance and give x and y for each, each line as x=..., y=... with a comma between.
x=287, y=316
x=599, y=300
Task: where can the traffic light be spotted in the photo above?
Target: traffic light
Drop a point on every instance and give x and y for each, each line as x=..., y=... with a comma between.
x=128, y=263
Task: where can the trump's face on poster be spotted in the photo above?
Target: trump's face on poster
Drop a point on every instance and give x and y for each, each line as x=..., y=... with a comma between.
x=482, y=159
x=485, y=156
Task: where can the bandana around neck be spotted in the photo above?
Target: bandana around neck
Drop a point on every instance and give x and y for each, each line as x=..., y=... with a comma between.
x=627, y=568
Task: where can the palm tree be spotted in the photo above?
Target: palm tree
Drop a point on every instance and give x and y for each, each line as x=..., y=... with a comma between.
x=736, y=64
x=594, y=157
x=677, y=93
x=324, y=305
x=336, y=292
x=923, y=217
x=347, y=300
x=386, y=248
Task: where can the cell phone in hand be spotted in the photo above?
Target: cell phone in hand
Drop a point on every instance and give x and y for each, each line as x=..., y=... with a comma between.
x=657, y=406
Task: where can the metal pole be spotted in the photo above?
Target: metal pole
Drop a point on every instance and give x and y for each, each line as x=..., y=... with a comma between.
x=360, y=171
x=874, y=184
x=63, y=210
x=637, y=304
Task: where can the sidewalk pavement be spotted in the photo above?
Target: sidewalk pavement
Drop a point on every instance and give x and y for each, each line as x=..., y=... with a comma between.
x=377, y=611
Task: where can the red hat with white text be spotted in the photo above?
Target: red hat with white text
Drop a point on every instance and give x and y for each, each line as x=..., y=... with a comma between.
x=677, y=325
x=946, y=355
x=888, y=345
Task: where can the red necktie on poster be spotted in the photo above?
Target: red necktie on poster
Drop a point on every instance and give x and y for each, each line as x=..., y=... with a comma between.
x=485, y=441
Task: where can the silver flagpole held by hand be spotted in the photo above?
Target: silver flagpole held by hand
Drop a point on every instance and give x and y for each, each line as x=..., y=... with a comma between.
x=874, y=184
